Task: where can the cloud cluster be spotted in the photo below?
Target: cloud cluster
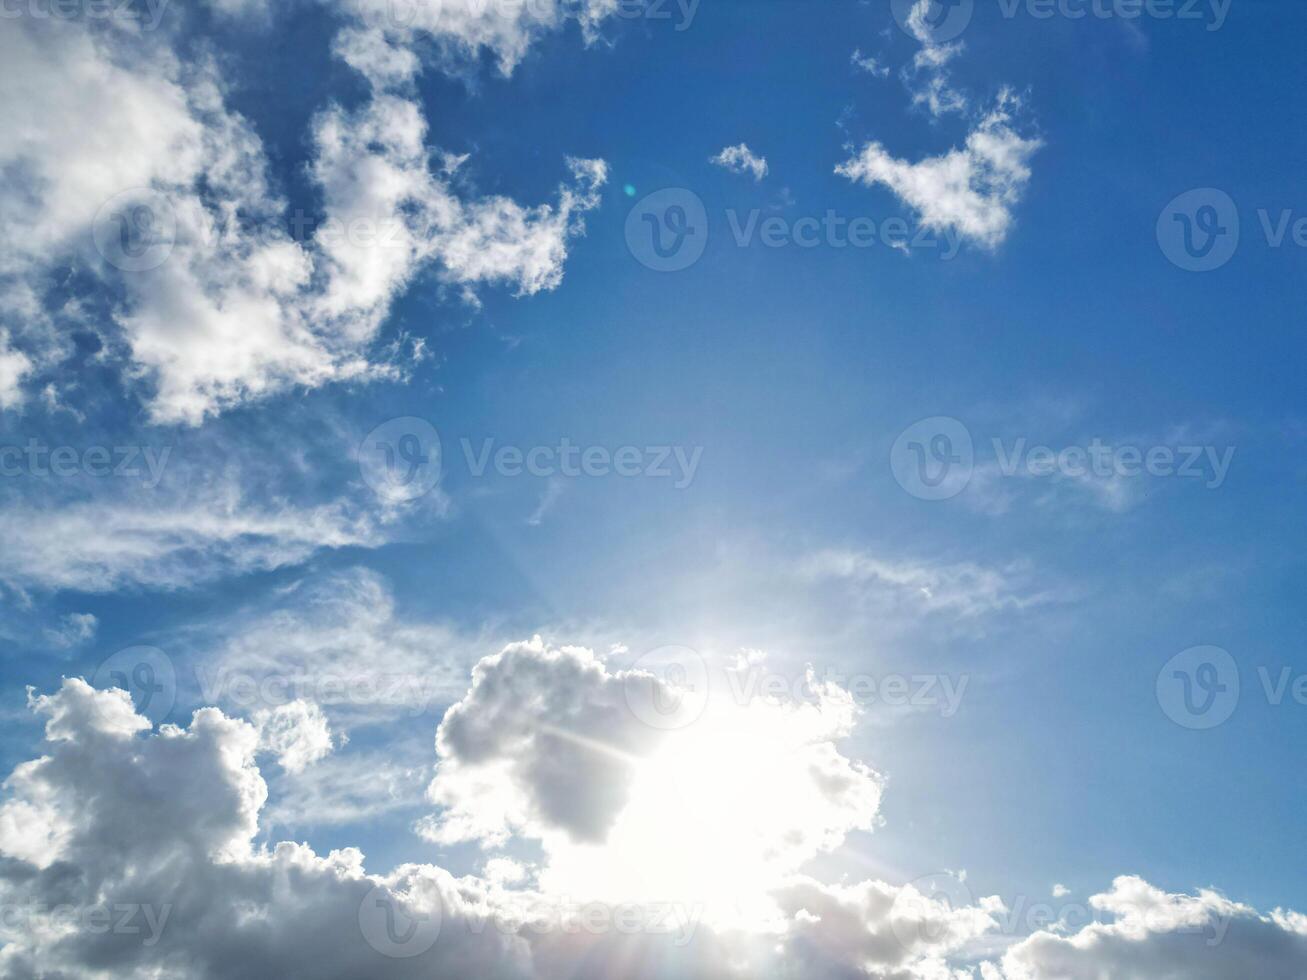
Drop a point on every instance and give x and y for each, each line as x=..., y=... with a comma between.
x=929, y=77
x=124, y=158
x=129, y=852
x=1156, y=935
x=971, y=189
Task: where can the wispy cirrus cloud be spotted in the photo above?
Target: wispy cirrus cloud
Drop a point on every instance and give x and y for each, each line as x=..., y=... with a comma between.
x=102, y=547
x=965, y=590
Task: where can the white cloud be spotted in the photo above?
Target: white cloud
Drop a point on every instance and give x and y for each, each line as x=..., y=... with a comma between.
x=928, y=79
x=553, y=745
x=878, y=930
x=339, y=642
x=72, y=630
x=963, y=589
x=463, y=28
x=972, y=189
x=113, y=816
x=14, y=366
x=166, y=543
x=519, y=750
x=1154, y=935
x=870, y=65
x=233, y=310
x=349, y=788
x=739, y=159
x=993, y=491
x=296, y=733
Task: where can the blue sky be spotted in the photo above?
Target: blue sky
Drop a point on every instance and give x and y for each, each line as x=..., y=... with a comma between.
x=771, y=384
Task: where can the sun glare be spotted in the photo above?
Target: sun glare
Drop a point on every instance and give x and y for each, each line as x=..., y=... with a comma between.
x=716, y=818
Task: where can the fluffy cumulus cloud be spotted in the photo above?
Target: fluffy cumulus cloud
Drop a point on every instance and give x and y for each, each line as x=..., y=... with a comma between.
x=123, y=157
x=129, y=851
x=296, y=733
x=1155, y=935
x=543, y=742
x=739, y=159
x=971, y=189
x=554, y=745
